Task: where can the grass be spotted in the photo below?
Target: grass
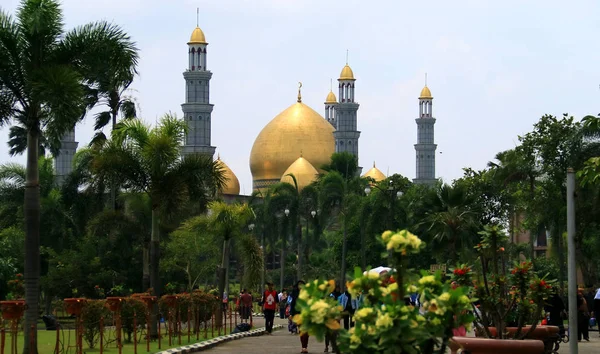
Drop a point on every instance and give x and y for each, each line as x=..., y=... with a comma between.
x=47, y=342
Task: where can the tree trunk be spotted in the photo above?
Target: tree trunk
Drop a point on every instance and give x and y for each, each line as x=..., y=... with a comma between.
x=154, y=265
x=344, y=250
x=32, y=242
x=282, y=261
x=223, y=281
x=145, y=266
x=300, y=248
x=363, y=249
x=113, y=188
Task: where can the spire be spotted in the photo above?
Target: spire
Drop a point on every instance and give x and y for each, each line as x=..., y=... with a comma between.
x=197, y=17
x=218, y=156
x=347, y=56
x=331, y=85
x=425, y=79
x=299, y=92
x=373, y=164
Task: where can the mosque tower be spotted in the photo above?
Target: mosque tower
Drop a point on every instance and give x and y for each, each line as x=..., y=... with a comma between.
x=330, y=104
x=197, y=108
x=346, y=134
x=425, y=146
x=63, y=162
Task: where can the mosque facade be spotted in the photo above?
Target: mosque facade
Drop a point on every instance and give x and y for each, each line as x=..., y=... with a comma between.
x=297, y=141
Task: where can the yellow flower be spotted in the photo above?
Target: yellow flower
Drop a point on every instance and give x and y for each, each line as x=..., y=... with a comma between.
x=331, y=285
x=333, y=324
x=414, y=324
x=444, y=297
x=354, y=339
x=362, y=313
x=319, y=305
x=436, y=321
x=372, y=275
x=427, y=280
x=384, y=321
x=464, y=300
x=303, y=295
x=297, y=319
x=386, y=236
x=412, y=289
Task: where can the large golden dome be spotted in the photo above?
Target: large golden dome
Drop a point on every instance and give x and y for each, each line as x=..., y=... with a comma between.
x=197, y=37
x=375, y=174
x=232, y=184
x=303, y=171
x=297, y=130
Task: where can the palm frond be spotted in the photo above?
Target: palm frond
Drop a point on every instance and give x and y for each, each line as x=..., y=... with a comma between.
x=102, y=119
x=41, y=25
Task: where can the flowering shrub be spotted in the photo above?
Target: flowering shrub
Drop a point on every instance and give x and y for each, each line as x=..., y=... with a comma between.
x=16, y=287
x=386, y=323
x=507, y=296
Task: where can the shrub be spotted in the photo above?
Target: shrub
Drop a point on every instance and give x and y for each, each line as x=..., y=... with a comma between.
x=92, y=312
x=129, y=307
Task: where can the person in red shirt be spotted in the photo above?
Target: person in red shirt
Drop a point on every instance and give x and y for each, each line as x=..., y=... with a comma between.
x=245, y=305
x=269, y=301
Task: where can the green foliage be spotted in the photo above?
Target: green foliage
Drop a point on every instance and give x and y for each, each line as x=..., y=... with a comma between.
x=92, y=312
x=131, y=307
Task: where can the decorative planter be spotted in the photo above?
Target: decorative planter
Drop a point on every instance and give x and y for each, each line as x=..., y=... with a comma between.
x=496, y=346
x=74, y=306
x=170, y=300
x=114, y=303
x=148, y=300
x=547, y=334
x=138, y=295
x=12, y=310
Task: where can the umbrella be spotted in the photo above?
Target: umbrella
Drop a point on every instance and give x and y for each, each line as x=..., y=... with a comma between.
x=378, y=270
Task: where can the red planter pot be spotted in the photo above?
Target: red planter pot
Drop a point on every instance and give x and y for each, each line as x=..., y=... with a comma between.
x=74, y=306
x=496, y=346
x=539, y=333
x=114, y=303
x=12, y=310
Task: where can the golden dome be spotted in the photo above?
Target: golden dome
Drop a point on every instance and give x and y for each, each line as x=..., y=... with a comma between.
x=331, y=98
x=375, y=174
x=304, y=172
x=346, y=73
x=232, y=184
x=197, y=37
x=425, y=93
x=298, y=129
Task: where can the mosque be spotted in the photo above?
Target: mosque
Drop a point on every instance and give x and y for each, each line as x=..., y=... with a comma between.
x=297, y=141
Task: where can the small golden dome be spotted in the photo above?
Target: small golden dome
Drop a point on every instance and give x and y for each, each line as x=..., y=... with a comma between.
x=304, y=172
x=232, y=184
x=346, y=73
x=425, y=93
x=297, y=129
x=331, y=98
x=197, y=37
x=375, y=174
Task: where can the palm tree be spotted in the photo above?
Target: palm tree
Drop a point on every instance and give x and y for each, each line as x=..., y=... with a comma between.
x=147, y=160
x=340, y=195
x=42, y=91
x=289, y=195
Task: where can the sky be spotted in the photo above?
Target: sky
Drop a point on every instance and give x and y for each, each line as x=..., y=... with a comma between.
x=493, y=67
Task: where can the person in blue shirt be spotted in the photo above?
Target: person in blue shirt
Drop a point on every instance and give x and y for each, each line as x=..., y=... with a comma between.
x=348, y=307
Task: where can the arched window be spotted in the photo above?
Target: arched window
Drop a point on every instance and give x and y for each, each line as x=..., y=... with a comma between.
x=191, y=118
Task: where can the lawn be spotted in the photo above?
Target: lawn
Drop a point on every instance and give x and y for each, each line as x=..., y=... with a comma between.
x=47, y=343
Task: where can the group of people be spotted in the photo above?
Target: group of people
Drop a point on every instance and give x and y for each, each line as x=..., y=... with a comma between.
x=588, y=306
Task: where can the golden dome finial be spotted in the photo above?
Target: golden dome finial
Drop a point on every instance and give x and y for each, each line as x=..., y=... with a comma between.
x=346, y=73
x=299, y=93
x=300, y=153
x=373, y=164
x=425, y=92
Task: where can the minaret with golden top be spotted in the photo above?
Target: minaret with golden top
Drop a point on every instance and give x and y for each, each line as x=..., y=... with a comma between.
x=425, y=147
x=346, y=133
x=197, y=109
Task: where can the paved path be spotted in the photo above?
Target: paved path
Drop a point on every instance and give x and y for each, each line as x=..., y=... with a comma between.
x=282, y=342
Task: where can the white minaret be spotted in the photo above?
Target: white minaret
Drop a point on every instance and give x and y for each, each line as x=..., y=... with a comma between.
x=425, y=147
x=197, y=108
x=63, y=162
x=330, y=104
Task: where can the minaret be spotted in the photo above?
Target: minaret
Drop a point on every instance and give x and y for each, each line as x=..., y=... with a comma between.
x=425, y=146
x=197, y=108
x=63, y=162
x=330, y=104
x=346, y=134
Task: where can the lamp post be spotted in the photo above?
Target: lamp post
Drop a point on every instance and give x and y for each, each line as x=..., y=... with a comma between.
x=283, y=244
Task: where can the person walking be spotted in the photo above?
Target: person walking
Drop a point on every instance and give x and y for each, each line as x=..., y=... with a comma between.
x=345, y=301
x=556, y=308
x=245, y=305
x=269, y=301
x=583, y=317
x=597, y=306
x=282, y=304
x=293, y=311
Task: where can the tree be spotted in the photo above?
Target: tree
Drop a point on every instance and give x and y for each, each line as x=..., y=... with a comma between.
x=42, y=92
x=289, y=195
x=147, y=160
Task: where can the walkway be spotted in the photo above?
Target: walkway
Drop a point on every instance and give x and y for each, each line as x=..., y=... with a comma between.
x=281, y=342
